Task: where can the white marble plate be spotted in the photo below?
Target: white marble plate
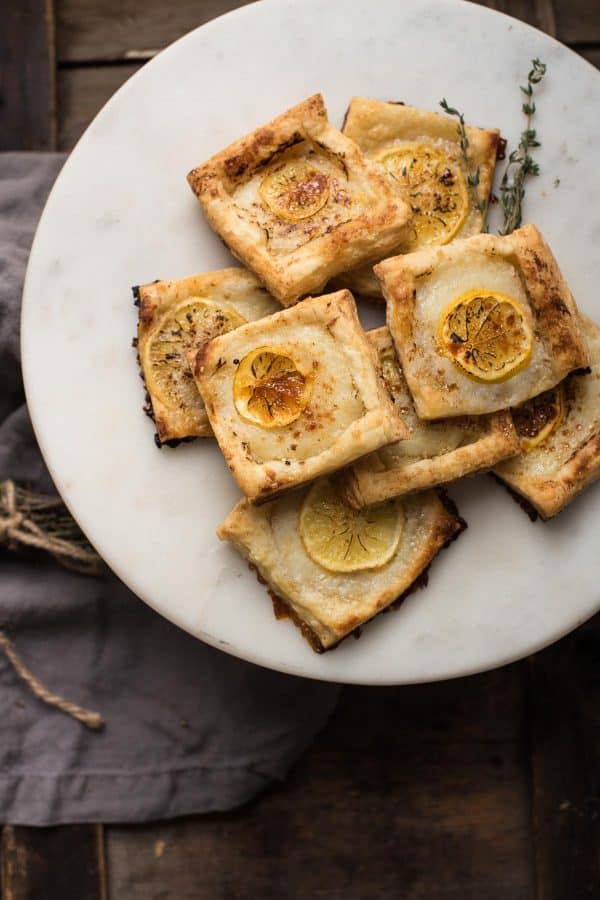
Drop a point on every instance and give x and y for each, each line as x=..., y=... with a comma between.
x=121, y=214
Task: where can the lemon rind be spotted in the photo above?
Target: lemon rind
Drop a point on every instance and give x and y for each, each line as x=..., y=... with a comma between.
x=465, y=298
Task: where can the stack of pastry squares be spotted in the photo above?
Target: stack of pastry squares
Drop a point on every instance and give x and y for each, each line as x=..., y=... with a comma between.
x=340, y=439
x=420, y=155
x=297, y=202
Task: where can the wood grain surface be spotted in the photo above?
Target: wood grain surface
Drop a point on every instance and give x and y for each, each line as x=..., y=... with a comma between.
x=27, y=76
x=578, y=21
x=485, y=788
x=82, y=92
x=564, y=716
x=418, y=792
x=124, y=29
x=64, y=863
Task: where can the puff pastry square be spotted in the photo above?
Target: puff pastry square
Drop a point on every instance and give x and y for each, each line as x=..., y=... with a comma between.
x=297, y=202
x=296, y=395
x=435, y=453
x=435, y=180
x=326, y=605
x=181, y=414
x=556, y=470
x=427, y=290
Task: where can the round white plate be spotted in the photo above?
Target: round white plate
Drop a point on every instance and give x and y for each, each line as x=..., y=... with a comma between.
x=121, y=214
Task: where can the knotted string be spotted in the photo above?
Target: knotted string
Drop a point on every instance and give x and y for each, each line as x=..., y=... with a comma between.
x=85, y=716
x=32, y=520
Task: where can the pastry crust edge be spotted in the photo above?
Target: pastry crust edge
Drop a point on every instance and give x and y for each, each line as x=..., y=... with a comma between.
x=245, y=519
x=154, y=300
x=361, y=486
x=553, y=305
x=379, y=425
x=549, y=496
x=483, y=146
x=308, y=268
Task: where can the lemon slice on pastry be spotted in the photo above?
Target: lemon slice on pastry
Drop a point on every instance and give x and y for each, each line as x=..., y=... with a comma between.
x=269, y=389
x=295, y=190
x=436, y=189
x=190, y=324
x=342, y=539
x=486, y=334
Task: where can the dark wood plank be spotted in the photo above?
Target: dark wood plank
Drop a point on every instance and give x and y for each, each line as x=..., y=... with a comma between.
x=565, y=723
x=418, y=792
x=592, y=54
x=82, y=92
x=27, y=83
x=539, y=13
x=63, y=863
x=125, y=29
x=578, y=21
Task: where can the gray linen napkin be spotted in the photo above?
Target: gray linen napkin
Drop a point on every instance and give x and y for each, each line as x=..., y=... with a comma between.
x=188, y=729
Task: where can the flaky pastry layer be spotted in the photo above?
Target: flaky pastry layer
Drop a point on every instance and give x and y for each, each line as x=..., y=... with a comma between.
x=328, y=606
x=349, y=412
x=420, y=286
x=435, y=454
x=235, y=288
x=552, y=474
x=378, y=125
x=362, y=220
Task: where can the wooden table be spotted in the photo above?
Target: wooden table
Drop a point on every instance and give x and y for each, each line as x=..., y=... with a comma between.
x=484, y=788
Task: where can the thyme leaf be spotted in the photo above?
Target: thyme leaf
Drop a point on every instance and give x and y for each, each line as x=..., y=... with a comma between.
x=472, y=176
x=520, y=162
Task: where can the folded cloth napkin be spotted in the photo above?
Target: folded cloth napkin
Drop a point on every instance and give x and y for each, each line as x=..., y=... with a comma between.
x=188, y=728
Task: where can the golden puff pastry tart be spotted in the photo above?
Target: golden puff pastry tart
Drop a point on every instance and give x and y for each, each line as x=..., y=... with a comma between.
x=559, y=432
x=481, y=324
x=434, y=454
x=296, y=395
x=297, y=202
x=330, y=567
x=178, y=316
x=420, y=153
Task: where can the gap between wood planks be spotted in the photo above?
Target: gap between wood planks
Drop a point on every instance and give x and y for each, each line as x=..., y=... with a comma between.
x=62, y=863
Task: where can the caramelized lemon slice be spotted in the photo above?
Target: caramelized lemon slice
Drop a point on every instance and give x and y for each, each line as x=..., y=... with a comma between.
x=341, y=539
x=538, y=418
x=269, y=389
x=436, y=187
x=486, y=334
x=295, y=190
x=192, y=323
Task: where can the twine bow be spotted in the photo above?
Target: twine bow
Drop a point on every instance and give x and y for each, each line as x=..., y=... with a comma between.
x=33, y=520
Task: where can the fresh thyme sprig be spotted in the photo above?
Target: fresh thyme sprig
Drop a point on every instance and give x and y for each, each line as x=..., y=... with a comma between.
x=520, y=162
x=472, y=177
